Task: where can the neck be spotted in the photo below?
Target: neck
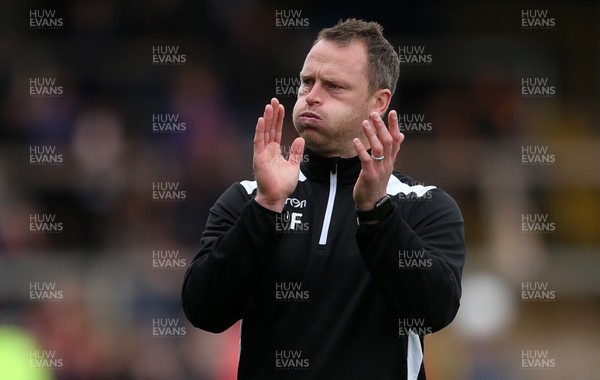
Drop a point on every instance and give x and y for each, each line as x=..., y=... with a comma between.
x=319, y=167
x=341, y=152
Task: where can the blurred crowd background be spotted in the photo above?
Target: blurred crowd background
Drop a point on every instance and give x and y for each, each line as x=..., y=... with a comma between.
x=104, y=291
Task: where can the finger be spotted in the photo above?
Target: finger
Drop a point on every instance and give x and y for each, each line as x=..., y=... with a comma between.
x=279, y=124
x=276, y=113
x=397, y=136
x=376, y=147
x=297, y=151
x=363, y=155
x=383, y=135
x=259, y=136
x=268, y=117
x=274, y=105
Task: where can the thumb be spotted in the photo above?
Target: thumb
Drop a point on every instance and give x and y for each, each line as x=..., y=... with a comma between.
x=297, y=151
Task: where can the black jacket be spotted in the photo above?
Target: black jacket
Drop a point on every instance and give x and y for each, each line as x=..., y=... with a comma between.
x=319, y=296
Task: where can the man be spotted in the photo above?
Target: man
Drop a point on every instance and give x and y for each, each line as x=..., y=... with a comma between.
x=336, y=265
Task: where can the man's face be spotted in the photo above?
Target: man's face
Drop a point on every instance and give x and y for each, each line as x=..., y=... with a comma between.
x=333, y=98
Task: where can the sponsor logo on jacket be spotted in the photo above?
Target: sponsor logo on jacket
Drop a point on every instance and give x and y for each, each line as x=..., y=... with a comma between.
x=295, y=202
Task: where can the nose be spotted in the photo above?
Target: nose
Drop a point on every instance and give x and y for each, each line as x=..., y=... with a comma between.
x=314, y=96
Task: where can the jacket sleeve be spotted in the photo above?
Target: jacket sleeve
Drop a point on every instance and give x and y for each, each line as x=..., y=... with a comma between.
x=239, y=236
x=416, y=257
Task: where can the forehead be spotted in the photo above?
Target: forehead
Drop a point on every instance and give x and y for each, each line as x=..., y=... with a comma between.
x=329, y=58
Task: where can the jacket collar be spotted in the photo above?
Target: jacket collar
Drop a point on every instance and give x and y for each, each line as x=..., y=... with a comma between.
x=318, y=168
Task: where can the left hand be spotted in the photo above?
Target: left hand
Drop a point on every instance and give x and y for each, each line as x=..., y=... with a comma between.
x=373, y=178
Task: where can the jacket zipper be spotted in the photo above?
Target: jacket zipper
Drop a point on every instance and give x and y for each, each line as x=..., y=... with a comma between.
x=329, y=209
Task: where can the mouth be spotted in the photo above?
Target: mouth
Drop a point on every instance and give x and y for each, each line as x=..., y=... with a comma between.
x=308, y=118
x=307, y=115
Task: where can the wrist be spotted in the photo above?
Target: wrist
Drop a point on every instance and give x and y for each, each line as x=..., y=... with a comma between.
x=273, y=205
x=370, y=204
x=381, y=210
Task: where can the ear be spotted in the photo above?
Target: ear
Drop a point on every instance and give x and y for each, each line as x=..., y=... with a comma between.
x=381, y=100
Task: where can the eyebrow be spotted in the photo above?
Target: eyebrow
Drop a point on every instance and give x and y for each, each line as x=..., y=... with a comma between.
x=326, y=79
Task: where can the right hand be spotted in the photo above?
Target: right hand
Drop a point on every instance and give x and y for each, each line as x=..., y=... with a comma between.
x=276, y=177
